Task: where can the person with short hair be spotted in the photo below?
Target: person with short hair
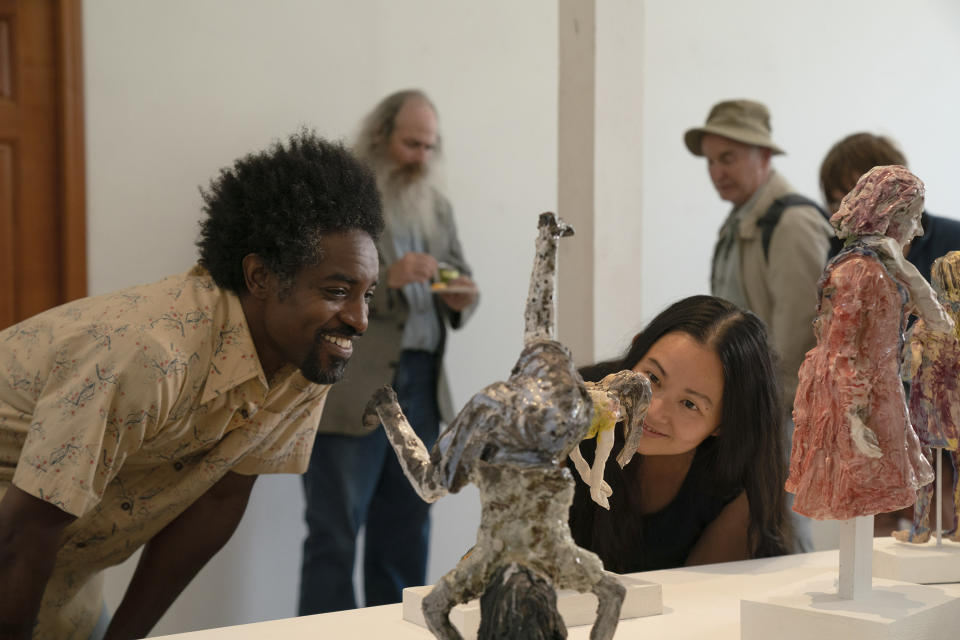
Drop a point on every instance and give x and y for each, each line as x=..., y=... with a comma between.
x=141, y=418
x=856, y=154
x=355, y=482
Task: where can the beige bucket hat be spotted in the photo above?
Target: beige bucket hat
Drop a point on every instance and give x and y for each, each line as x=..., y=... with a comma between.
x=745, y=121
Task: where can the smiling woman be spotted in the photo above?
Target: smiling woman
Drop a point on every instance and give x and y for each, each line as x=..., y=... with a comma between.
x=707, y=485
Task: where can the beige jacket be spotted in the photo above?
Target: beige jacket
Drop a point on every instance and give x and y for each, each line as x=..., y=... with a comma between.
x=782, y=291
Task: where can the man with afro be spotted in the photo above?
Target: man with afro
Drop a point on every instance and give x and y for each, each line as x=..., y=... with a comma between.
x=142, y=418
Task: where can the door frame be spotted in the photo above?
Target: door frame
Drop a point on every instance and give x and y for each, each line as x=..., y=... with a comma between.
x=72, y=155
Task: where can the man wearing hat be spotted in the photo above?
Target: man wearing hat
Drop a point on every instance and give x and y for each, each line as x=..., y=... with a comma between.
x=774, y=243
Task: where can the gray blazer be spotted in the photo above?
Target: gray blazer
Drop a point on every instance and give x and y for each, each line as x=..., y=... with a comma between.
x=376, y=353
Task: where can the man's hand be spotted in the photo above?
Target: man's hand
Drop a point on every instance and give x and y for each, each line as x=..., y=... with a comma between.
x=412, y=267
x=30, y=530
x=460, y=301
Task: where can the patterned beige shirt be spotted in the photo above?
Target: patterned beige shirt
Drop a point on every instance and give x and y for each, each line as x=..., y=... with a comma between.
x=123, y=409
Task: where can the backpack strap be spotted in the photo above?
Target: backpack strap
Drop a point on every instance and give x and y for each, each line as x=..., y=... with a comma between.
x=769, y=220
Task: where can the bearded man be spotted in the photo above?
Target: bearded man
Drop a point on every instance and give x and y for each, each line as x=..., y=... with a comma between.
x=355, y=480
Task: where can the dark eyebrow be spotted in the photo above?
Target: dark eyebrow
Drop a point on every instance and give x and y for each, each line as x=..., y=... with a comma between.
x=690, y=391
x=663, y=372
x=342, y=277
x=700, y=395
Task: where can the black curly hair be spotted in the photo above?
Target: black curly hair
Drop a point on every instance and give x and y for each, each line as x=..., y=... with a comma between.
x=278, y=204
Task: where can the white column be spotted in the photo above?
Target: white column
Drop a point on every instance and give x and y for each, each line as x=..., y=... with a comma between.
x=599, y=172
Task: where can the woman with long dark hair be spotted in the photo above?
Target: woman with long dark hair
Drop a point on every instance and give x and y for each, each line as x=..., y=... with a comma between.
x=707, y=483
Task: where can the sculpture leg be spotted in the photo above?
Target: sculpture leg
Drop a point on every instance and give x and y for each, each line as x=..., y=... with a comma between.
x=600, y=490
x=582, y=570
x=411, y=453
x=464, y=583
x=540, y=316
x=955, y=464
x=920, y=528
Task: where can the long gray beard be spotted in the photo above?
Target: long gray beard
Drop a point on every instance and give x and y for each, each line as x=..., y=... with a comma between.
x=408, y=201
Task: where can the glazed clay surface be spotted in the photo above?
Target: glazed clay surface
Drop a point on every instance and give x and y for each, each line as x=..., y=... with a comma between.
x=854, y=452
x=511, y=440
x=933, y=363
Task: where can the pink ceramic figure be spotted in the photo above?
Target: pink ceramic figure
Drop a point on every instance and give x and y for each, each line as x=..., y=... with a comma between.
x=854, y=452
x=933, y=363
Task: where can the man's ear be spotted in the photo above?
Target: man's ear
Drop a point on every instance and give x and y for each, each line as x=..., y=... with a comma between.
x=257, y=277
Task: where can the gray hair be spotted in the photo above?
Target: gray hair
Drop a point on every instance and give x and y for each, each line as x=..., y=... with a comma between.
x=379, y=124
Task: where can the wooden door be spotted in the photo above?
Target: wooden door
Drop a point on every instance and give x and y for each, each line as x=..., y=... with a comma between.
x=42, y=228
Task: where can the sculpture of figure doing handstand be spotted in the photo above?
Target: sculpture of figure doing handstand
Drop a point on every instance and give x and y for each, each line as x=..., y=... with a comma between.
x=511, y=440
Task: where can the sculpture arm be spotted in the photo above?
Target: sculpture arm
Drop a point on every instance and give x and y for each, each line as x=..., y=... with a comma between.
x=921, y=293
x=854, y=335
x=413, y=456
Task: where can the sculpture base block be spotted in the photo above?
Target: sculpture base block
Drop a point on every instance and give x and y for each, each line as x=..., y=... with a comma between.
x=812, y=609
x=642, y=599
x=924, y=563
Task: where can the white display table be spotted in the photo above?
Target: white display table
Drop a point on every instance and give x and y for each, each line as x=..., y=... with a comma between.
x=699, y=602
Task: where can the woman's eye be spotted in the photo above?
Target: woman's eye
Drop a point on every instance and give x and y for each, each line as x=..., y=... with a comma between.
x=652, y=377
x=689, y=404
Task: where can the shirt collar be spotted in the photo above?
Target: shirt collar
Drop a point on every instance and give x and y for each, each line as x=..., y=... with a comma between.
x=233, y=358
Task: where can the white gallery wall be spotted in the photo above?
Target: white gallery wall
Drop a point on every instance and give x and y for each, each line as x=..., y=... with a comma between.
x=178, y=89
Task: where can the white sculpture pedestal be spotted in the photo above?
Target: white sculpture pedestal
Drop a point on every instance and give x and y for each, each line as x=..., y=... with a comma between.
x=851, y=605
x=642, y=599
x=812, y=609
x=925, y=563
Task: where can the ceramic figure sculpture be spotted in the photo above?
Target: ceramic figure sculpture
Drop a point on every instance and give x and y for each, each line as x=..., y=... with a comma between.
x=854, y=452
x=933, y=363
x=511, y=440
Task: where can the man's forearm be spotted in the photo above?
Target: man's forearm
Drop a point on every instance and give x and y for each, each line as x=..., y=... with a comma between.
x=24, y=571
x=30, y=531
x=177, y=553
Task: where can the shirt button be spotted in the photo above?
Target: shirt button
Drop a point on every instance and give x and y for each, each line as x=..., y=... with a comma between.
x=178, y=465
x=247, y=410
x=126, y=506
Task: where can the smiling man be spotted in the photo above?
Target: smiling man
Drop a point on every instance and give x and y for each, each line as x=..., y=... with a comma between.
x=142, y=418
x=425, y=290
